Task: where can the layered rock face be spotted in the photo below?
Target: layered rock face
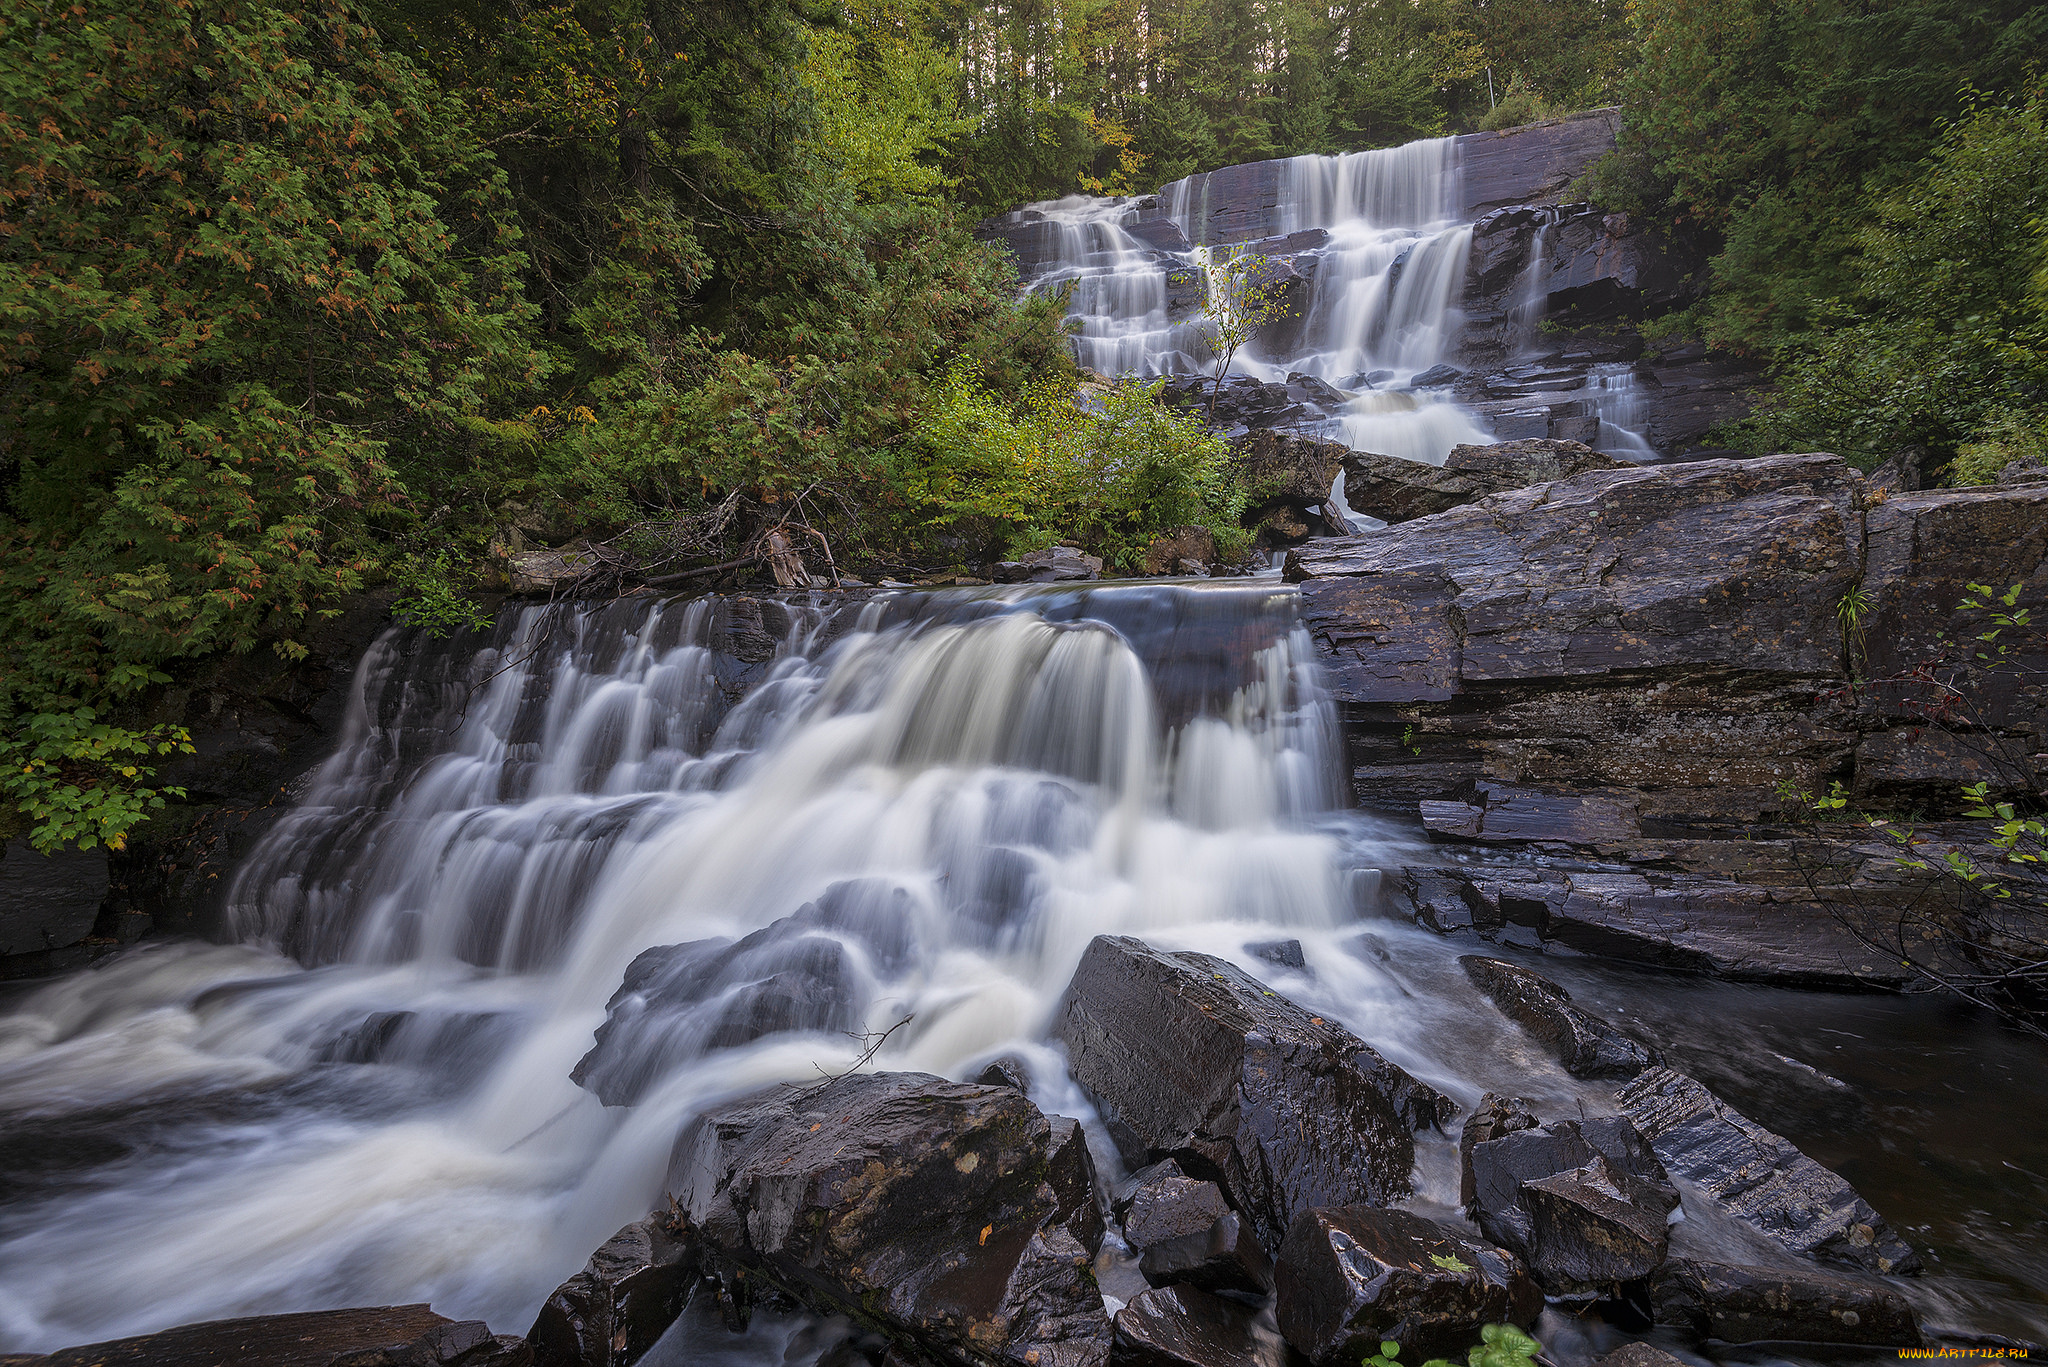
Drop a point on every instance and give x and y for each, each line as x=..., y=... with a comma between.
x=1621, y=669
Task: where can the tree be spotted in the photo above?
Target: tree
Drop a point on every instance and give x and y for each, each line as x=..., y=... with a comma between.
x=1245, y=294
x=258, y=283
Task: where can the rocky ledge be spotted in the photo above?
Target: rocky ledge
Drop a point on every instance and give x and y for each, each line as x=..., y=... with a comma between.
x=1593, y=692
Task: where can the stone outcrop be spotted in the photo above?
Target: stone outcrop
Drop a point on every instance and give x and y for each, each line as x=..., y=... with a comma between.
x=625, y=1298
x=1622, y=669
x=1396, y=490
x=1741, y=1304
x=49, y=904
x=1288, y=479
x=1059, y=564
x=1179, y=1326
x=1584, y=1203
x=379, y=1336
x=1351, y=1277
x=1584, y=1044
x=1191, y=1059
x=1759, y=1177
x=927, y=1210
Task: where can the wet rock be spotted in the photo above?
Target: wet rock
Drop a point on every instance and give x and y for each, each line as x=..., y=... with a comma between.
x=678, y=1002
x=925, y=1209
x=624, y=1299
x=1310, y=389
x=1496, y=1118
x=311, y=1339
x=547, y=572
x=1533, y=163
x=48, y=904
x=1166, y=1204
x=1279, y=953
x=1593, y=1227
x=1166, y=553
x=469, y=1343
x=1191, y=1058
x=1583, y=1203
x=1055, y=565
x=1738, y=1304
x=1366, y=379
x=1637, y=1355
x=1226, y=1256
x=1181, y=1326
x=1007, y=1071
x=1070, y=1171
x=1396, y=490
x=1436, y=377
x=1759, y=1177
x=1348, y=1278
x=1586, y=1045
x=1289, y=478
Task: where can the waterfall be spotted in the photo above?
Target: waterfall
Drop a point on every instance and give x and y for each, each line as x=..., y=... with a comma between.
x=1385, y=253
x=1531, y=290
x=1615, y=394
x=840, y=816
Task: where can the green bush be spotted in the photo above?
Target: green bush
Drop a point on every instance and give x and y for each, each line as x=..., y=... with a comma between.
x=1944, y=346
x=1111, y=476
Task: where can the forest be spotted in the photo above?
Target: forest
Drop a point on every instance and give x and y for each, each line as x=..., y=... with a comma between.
x=301, y=301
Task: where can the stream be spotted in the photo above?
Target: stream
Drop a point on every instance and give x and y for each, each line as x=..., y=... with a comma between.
x=363, y=1095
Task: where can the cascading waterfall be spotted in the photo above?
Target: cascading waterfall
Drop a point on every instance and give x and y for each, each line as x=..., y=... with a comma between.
x=1381, y=308
x=922, y=807
x=1615, y=394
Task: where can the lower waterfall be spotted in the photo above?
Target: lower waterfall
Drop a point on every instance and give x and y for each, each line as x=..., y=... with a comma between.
x=909, y=813
x=367, y=1096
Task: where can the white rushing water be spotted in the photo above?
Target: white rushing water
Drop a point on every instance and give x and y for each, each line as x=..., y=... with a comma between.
x=1383, y=300
x=923, y=807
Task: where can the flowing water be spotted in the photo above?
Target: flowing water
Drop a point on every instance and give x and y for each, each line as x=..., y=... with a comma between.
x=926, y=804
x=1389, y=271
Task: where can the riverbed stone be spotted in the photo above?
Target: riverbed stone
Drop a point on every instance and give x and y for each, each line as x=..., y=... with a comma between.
x=1495, y=1117
x=307, y=1339
x=625, y=1298
x=1586, y=1045
x=1584, y=1203
x=1759, y=1177
x=1226, y=1256
x=1191, y=1058
x=1742, y=1304
x=1348, y=1278
x=1182, y=1326
x=924, y=1209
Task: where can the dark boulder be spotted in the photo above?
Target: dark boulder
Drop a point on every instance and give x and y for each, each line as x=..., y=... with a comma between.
x=1759, y=1177
x=1180, y=1326
x=1436, y=377
x=678, y=1002
x=1279, y=953
x=1396, y=490
x=1593, y=1227
x=1753, y=1304
x=1175, y=551
x=1586, y=1045
x=1637, y=1355
x=1007, y=1071
x=48, y=905
x=310, y=1339
x=469, y=1343
x=1071, y=1173
x=624, y=1299
x=1060, y=564
x=1226, y=1256
x=1495, y=1118
x=1584, y=1202
x=1191, y=1058
x=1166, y=1204
x=1348, y=1278
x=924, y=1209
x=1288, y=479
